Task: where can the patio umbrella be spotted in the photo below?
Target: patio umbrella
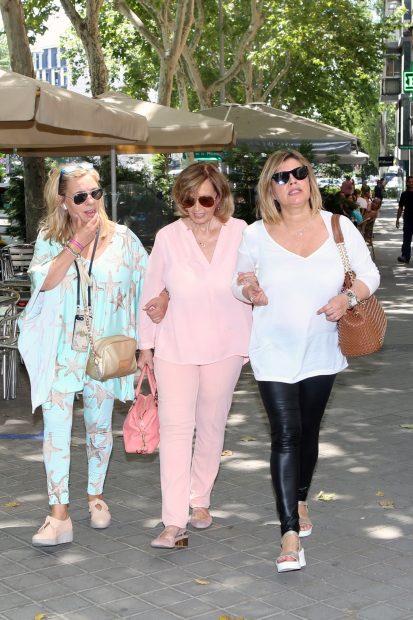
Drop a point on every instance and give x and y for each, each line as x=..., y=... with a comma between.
x=40, y=117
x=262, y=127
x=355, y=159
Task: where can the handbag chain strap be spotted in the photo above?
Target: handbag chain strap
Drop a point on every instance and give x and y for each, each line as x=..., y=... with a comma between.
x=84, y=278
x=341, y=246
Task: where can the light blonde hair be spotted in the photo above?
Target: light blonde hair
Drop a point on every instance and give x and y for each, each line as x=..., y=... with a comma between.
x=268, y=207
x=57, y=225
x=190, y=179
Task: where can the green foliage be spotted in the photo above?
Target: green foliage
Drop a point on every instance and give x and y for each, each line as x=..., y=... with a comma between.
x=36, y=14
x=162, y=181
x=4, y=53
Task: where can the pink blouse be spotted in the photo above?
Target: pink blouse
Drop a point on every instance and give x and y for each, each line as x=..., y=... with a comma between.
x=204, y=322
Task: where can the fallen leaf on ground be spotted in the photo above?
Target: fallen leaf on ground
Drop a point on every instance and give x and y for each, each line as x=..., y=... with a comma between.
x=40, y=616
x=12, y=504
x=379, y=494
x=227, y=453
x=248, y=438
x=409, y=426
x=325, y=497
x=225, y=617
x=386, y=503
x=202, y=582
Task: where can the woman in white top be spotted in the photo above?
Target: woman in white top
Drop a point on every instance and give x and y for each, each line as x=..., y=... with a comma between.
x=291, y=270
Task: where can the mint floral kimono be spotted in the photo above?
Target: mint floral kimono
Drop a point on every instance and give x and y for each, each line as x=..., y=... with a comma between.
x=46, y=325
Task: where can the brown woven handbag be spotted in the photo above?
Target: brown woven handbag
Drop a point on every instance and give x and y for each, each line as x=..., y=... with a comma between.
x=361, y=330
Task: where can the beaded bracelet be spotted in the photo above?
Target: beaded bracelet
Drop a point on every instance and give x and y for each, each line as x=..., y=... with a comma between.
x=72, y=252
x=79, y=245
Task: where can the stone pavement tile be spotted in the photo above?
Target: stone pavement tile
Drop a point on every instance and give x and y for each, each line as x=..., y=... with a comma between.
x=139, y=585
x=252, y=610
x=173, y=576
x=91, y=613
x=123, y=608
x=165, y=597
x=287, y=600
x=192, y=608
x=319, y=611
x=156, y=614
x=384, y=612
x=27, y=612
x=47, y=590
x=403, y=602
x=12, y=600
x=350, y=602
x=67, y=604
x=383, y=592
x=20, y=583
x=103, y=594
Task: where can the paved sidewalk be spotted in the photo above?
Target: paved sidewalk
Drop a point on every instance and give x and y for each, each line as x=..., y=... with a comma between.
x=359, y=558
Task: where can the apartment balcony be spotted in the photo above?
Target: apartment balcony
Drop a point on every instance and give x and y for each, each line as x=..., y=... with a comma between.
x=391, y=87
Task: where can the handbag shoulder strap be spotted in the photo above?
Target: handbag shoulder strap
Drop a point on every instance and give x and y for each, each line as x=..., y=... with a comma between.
x=146, y=372
x=349, y=275
x=336, y=226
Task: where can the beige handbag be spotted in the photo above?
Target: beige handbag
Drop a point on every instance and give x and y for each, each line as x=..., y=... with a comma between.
x=109, y=357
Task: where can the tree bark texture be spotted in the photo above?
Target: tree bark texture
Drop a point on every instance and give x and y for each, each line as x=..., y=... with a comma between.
x=21, y=62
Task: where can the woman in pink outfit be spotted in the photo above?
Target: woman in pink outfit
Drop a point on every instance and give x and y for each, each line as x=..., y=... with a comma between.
x=199, y=346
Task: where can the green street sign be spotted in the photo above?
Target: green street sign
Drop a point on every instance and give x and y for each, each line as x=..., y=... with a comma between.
x=408, y=82
x=205, y=156
x=405, y=147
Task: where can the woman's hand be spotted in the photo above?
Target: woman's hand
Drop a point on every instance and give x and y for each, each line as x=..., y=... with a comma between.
x=255, y=294
x=145, y=357
x=335, y=308
x=85, y=233
x=251, y=289
x=157, y=306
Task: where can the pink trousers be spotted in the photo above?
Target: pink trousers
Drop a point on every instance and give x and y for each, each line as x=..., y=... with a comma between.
x=192, y=398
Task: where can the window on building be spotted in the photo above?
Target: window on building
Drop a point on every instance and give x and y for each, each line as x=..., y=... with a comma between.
x=57, y=78
x=48, y=76
x=44, y=59
x=393, y=66
x=54, y=57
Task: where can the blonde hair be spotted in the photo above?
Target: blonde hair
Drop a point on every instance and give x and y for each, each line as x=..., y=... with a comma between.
x=57, y=225
x=269, y=208
x=188, y=182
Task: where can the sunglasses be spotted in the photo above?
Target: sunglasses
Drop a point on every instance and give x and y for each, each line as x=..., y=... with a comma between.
x=204, y=201
x=281, y=178
x=80, y=197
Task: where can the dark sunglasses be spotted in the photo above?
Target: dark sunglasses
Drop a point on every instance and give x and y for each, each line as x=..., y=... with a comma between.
x=204, y=201
x=80, y=197
x=299, y=173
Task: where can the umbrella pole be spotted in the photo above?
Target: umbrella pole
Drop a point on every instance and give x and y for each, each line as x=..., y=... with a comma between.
x=113, y=184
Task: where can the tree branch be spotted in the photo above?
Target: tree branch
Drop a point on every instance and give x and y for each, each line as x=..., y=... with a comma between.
x=278, y=77
x=123, y=8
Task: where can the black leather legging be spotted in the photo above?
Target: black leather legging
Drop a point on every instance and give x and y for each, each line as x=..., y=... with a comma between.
x=295, y=411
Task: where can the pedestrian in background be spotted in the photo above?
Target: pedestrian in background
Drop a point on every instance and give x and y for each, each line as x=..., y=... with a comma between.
x=55, y=353
x=291, y=271
x=199, y=346
x=405, y=211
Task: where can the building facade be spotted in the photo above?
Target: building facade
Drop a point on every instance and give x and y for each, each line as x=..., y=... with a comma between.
x=398, y=62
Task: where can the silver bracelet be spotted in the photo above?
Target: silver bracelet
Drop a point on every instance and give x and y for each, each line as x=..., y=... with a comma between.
x=72, y=252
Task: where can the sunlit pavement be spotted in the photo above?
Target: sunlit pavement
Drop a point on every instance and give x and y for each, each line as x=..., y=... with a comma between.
x=359, y=557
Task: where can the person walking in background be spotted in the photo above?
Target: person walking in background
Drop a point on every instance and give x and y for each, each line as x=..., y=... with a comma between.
x=378, y=191
x=405, y=211
x=347, y=187
x=290, y=269
x=77, y=235
x=200, y=345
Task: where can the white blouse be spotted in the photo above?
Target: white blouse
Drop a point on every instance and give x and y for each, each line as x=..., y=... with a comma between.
x=289, y=341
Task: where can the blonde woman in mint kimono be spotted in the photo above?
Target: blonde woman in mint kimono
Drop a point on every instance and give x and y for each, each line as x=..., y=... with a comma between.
x=56, y=369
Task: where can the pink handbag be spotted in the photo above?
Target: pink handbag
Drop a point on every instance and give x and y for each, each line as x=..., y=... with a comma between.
x=141, y=425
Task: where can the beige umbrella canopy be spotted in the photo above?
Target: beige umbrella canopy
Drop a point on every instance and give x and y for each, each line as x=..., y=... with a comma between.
x=171, y=130
x=262, y=127
x=354, y=159
x=38, y=116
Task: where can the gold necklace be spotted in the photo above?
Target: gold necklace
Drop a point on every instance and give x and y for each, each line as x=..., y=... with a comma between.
x=201, y=244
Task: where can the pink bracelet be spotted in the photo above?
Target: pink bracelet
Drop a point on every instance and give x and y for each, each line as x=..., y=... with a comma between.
x=79, y=245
